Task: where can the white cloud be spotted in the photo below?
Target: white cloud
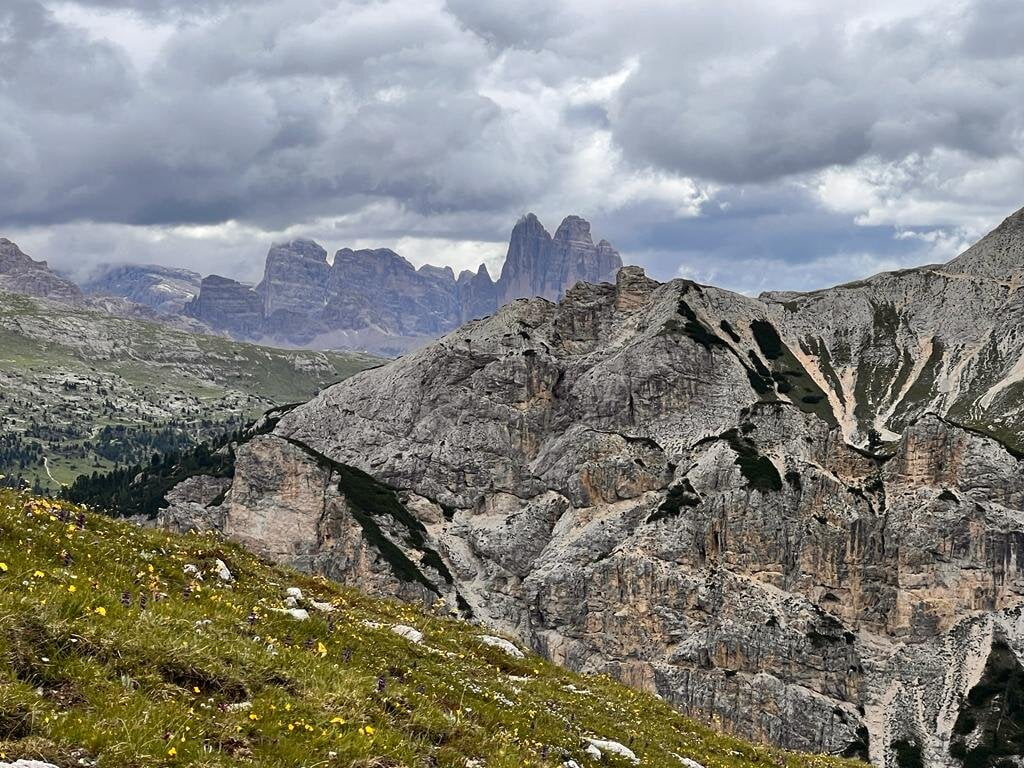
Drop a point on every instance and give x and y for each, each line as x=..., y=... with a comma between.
x=799, y=136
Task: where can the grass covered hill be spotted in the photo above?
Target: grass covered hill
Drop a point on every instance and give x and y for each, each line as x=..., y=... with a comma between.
x=83, y=391
x=125, y=647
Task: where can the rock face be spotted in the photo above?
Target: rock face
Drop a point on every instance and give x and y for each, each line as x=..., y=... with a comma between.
x=376, y=300
x=539, y=265
x=165, y=289
x=228, y=305
x=20, y=273
x=800, y=515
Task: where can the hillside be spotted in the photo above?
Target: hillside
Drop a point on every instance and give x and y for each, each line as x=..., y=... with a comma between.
x=85, y=389
x=128, y=647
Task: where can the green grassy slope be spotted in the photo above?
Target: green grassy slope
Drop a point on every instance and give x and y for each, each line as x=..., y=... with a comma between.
x=67, y=372
x=112, y=652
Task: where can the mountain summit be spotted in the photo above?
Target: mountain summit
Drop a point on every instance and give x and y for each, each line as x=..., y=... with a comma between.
x=801, y=515
x=19, y=273
x=376, y=299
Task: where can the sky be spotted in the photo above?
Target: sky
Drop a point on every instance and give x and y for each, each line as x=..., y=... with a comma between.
x=751, y=144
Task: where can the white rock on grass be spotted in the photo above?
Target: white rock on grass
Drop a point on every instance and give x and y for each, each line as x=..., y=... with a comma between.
x=688, y=762
x=299, y=614
x=192, y=570
x=323, y=607
x=294, y=592
x=222, y=571
x=502, y=644
x=409, y=633
x=291, y=602
x=612, y=747
x=27, y=764
x=570, y=764
x=593, y=752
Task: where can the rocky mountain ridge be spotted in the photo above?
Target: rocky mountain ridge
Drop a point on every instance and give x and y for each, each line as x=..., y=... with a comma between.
x=799, y=515
x=376, y=300
x=164, y=289
x=367, y=299
x=20, y=273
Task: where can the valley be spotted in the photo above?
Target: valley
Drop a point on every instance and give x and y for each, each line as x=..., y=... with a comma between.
x=83, y=391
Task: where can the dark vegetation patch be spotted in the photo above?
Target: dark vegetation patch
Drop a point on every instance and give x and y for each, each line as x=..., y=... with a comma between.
x=759, y=471
x=786, y=375
x=691, y=326
x=725, y=326
x=1008, y=441
x=989, y=730
x=141, y=489
x=923, y=387
x=759, y=376
x=816, y=347
x=371, y=499
x=767, y=339
x=907, y=753
x=859, y=748
x=679, y=496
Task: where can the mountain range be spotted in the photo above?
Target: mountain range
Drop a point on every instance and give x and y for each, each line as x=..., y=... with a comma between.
x=800, y=516
x=367, y=299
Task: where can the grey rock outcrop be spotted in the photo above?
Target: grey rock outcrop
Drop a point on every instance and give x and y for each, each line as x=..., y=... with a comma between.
x=228, y=305
x=791, y=515
x=164, y=289
x=19, y=273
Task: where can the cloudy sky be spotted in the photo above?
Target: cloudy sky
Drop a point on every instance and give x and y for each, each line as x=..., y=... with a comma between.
x=752, y=144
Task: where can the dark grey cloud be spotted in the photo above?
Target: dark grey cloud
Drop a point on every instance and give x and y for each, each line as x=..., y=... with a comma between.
x=993, y=29
x=775, y=132
x=816, y=95
x=161, y=8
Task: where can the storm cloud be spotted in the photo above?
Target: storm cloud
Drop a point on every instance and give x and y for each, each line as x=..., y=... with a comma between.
x=757, y=144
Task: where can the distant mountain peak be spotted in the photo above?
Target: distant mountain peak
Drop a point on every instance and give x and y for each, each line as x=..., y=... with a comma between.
x=302, y=247
x=165, y=289
x=20, y=273
x=999, y=254
x=574, y=229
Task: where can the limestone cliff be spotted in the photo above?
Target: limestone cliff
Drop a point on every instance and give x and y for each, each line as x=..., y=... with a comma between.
x=801, y=516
